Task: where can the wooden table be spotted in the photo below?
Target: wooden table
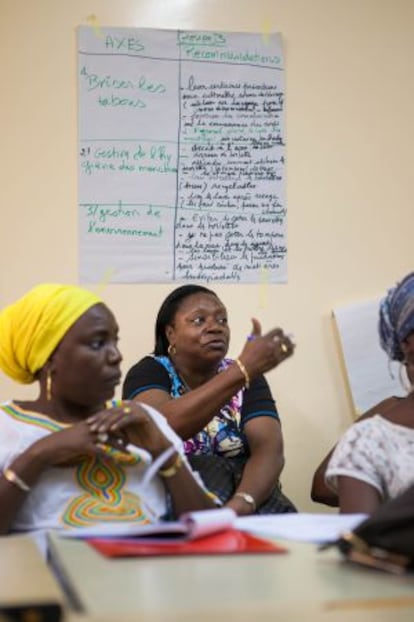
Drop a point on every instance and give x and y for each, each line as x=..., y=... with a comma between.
x=302, y=583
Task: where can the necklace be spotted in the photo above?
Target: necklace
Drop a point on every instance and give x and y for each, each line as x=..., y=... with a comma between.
x=184, y=383
x=185, y=387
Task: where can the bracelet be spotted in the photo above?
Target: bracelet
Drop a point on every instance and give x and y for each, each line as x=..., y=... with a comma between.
x=172, y=470
x=244, y=372
x=248, y=498
x=13, y=478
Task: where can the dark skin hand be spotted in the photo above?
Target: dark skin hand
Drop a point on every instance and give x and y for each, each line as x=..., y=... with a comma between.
x=132, y=424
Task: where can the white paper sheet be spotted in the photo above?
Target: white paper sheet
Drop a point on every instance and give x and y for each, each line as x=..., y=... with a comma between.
x=181, y=156
x=317, y=528
x=368, y=369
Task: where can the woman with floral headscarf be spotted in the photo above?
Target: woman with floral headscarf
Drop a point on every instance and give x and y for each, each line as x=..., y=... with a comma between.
x=374, y=460
x=69, y=458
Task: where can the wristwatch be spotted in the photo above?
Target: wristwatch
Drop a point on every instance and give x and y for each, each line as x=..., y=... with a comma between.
x=248, y=498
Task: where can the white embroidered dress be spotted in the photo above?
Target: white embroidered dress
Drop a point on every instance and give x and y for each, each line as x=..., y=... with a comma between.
x=93, y=489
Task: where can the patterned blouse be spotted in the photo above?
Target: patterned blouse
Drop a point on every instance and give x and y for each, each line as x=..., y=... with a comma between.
x=224, y=434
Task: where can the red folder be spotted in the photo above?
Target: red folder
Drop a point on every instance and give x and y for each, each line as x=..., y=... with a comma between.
x=226, y=542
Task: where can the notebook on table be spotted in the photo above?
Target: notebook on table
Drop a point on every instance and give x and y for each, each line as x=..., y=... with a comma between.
x=207, y=532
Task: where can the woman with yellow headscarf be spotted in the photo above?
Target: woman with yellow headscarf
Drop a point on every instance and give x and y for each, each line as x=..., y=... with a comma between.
x=66, y=458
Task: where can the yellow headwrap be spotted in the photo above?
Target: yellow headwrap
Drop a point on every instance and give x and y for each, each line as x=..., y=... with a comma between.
x=32, y=327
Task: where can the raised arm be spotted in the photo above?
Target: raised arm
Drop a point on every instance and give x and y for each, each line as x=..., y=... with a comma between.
x=191, y=412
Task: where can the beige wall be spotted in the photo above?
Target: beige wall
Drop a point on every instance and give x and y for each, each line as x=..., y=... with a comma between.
x=350, y=131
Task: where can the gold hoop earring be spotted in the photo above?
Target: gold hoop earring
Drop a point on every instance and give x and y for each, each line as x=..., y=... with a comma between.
x=171, y=350
x=49, y=386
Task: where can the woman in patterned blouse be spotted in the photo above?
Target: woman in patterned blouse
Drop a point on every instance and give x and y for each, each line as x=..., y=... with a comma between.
x=217, y=405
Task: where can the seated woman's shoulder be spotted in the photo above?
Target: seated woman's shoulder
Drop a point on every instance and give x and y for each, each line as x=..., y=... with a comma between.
x=145, y=361
x=381, y=408
x=401, y=413
x=143, y=374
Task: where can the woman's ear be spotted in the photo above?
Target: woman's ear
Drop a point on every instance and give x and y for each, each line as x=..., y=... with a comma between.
x=170, y=334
